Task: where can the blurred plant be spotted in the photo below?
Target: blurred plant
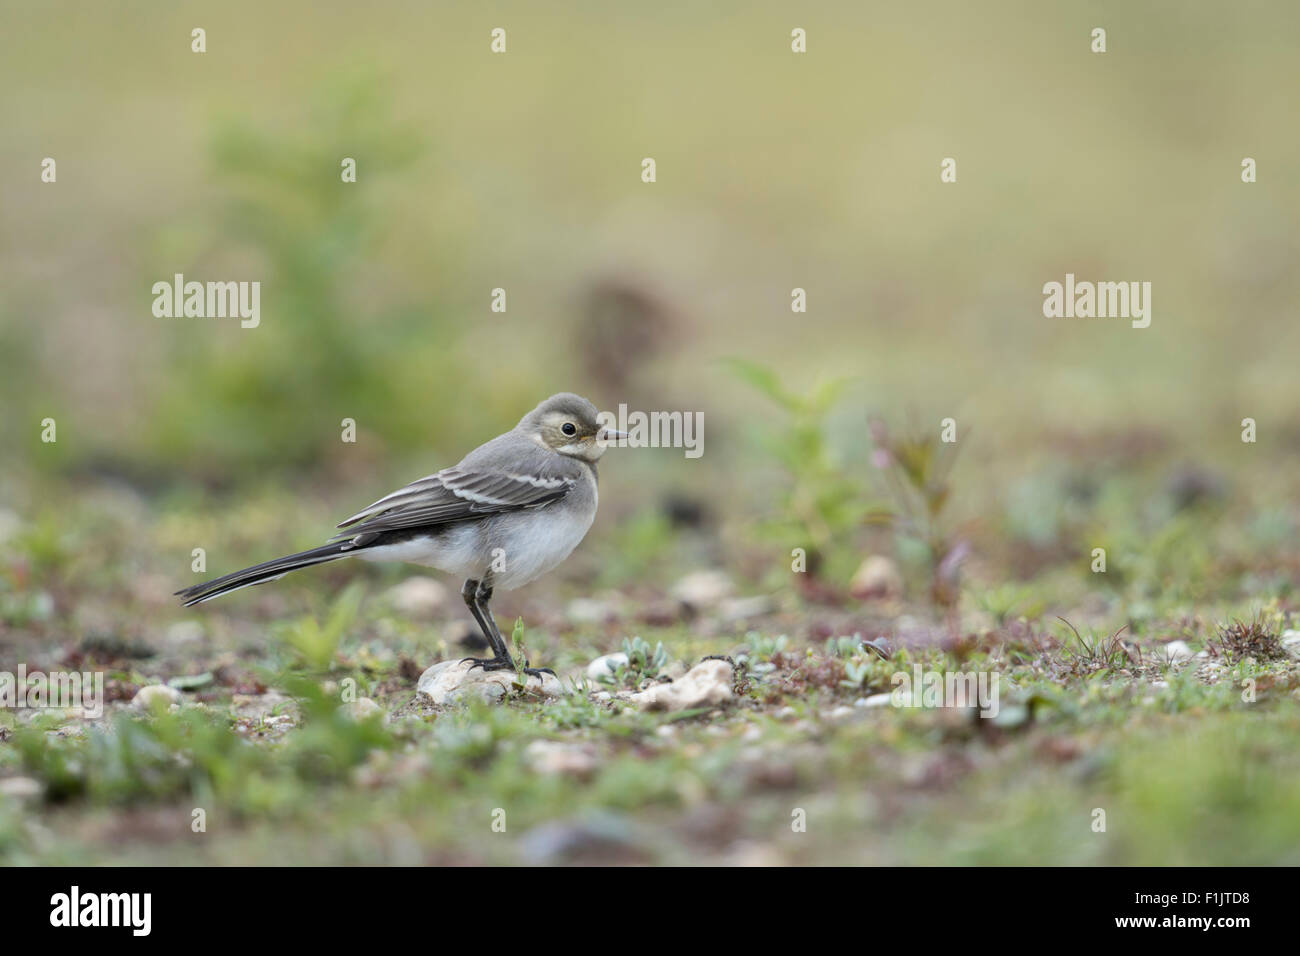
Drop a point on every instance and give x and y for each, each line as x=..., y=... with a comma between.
x=1097, y=654
x=866, y=665
x=916, y=468
x=576, y=710
x=643, y=661
x=844, y=646
x=756, y=659
x=1257, y=639
x=193, y=751
x=520, y=659
x=315, y=644
x=764, y=647
x=1173, y=561
x=1010, y=601
x=339, y=335
x=822, y=508
x=643, y=664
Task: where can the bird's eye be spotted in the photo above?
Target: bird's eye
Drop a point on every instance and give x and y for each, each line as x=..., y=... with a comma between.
x=569, y=428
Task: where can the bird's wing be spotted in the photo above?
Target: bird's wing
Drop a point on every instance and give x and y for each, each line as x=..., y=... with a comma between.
x=459, y=494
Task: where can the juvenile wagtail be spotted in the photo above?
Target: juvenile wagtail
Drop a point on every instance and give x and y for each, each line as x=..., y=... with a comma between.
x=512, y=510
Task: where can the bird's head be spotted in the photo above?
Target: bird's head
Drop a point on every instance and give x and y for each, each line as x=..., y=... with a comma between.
x=568, y=424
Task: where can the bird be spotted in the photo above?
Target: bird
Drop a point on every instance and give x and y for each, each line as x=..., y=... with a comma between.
x=509, y=512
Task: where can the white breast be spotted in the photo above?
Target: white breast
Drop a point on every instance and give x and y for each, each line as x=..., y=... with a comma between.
x=537, y=542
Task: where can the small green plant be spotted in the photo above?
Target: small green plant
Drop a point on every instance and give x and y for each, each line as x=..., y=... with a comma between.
x=916, y=467
x=844, y=646
x=317, y=644
x=1095, y=654
x=521, y=658
x=759, y=651
x=643, y=664
x=823, y=507
x=576, y=710
x=857, y=671
x=1010, y=601
x=642, y=660
x=317, y=244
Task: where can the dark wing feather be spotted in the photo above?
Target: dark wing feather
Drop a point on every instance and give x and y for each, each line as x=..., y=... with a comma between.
x=457, y=494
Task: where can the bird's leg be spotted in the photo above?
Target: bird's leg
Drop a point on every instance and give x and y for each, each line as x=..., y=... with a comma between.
x=481, y=596
x=500, y=654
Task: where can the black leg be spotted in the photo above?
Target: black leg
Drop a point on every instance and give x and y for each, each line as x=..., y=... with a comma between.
x=482, y=595
x=470, y=594
x=477, y=594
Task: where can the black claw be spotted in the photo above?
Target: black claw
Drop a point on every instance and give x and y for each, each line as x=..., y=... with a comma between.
x=489, y=663
x=505, y=663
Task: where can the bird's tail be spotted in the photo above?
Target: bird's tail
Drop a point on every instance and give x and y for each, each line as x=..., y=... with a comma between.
x=267, y=571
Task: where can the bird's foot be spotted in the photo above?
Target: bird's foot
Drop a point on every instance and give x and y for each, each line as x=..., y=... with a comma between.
x=505, y=664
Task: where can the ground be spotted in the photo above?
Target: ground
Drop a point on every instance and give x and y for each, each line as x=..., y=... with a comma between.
x=1174, y=745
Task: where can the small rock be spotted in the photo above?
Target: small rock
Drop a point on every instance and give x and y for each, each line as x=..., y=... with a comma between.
x=184, y=632
x=156, y=695
x=875, y=700
x=361, y=708
x=1177, y=652
x=586, y=610
x=733, y=610
x=708, y=683
x=1291, y=642
x=605, y=665
x=419, y=596
x=554, y=757
x=877, y=578
x=449, y=681
x=839, y=713
x=700, y=590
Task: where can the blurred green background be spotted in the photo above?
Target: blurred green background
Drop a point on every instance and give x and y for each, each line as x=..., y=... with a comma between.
x=775, y=171
x=521, y=171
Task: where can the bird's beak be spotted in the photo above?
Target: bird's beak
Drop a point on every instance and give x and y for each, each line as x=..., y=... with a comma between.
x=609, y=436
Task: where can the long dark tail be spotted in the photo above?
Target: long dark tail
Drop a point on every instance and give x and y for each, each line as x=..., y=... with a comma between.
x=268, y=571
